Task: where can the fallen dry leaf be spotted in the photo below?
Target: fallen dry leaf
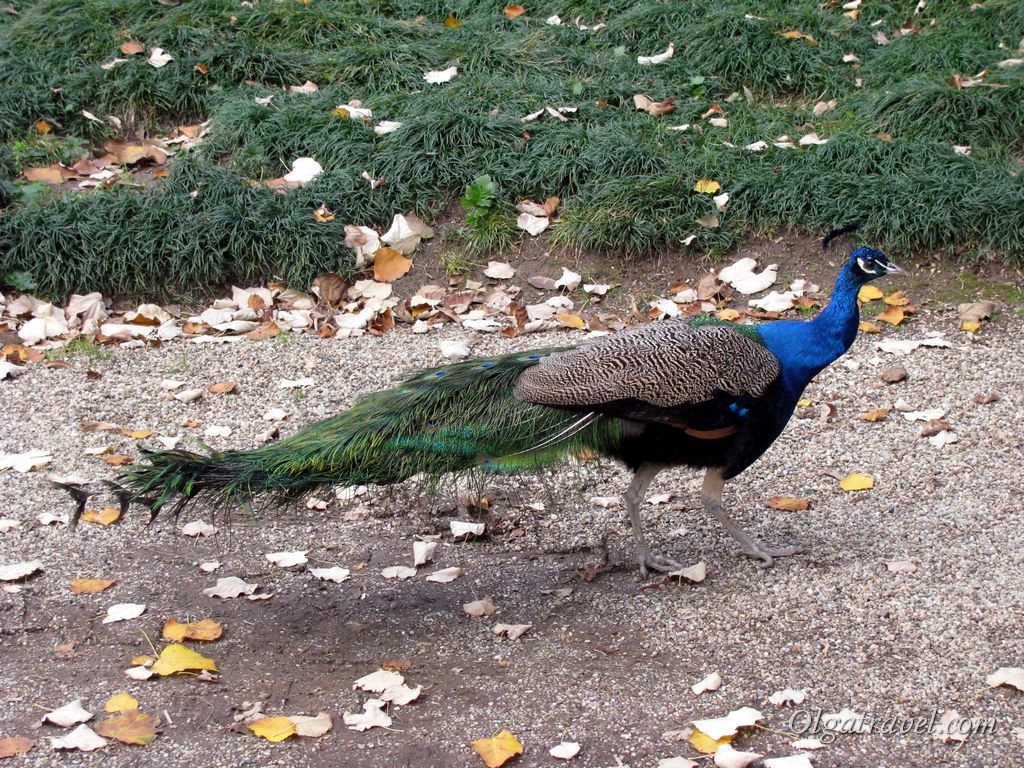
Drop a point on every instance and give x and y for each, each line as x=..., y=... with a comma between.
x=878, y=414
x=83, y=738
x=105, y=516
x=480, y=608
x=856, y=481
x=205, y=630
x=274, y=728
x=15, y=745
x=228, y=587
x=124, y=612
x=130, y=727
x=389, y=264
x=707, y=186
x=498, y=749
x=19, y=571
x=177, y=658
x=514, y=11
x=656, y=108
x=1012, y=676
x=788, y=503
x=372, y=716
x=222, y=388
x=70, y=714
x=710, y=683
x=511, y=631
x=567, y=750
x=90, y=586
x=121, y=702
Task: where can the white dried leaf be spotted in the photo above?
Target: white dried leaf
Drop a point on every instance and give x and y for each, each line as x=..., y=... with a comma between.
x=275, y=414
x=386, y=126
x=337, y=574
x=567, y=750
x=500, y=270
x=479, y=608
x=399, y=572
x=372, y=716
x=198, y=528
x=139, y=673
x=553, y=21
x=400, y=695
x=304, y=170
x=757, y=146
x=9, y=524
x=440, y=75
x=658, y=58
x=677, y=762
x=812, y=138
x=405, y=233
x=48, y=518
x=461, y=528
x=311, y=727
x=727, y=757
x=929, y=414
x=188, y=395
x=68, y=715
x=909, y=345
x=83, y=738
x=792, y=761
x=568, y=280
x=378, y=681
x=209, y=566
x=743, y=278
x=169, y=443
x=20, y=570
x=41, y=328
x=695, y=573
x=456, y=349
x=307, y=87
x=808, y=744
x=314, y=503
x=598, y=289
x=511, y=631
x=775, y=301
x=445, y=575
x=683, y=127
x=721, y=201
x=158, y=58
x=124, y=612
x=943, y=438
x=788, y=696
x=287, y=559
x=719, y=122
x=720, y=727
x=295, y=383
x=532, y=224
x=216, y=430
x=228, y=587
x=1013, y=676
x=423, y=552
x=845, y=721
x=850, y=58
x=606, y=502
x=710, y=683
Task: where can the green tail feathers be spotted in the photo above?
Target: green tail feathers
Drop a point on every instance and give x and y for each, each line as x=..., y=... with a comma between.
x=449, y=419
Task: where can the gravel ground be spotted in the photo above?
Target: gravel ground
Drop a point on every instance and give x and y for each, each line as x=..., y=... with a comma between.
x=609, y=665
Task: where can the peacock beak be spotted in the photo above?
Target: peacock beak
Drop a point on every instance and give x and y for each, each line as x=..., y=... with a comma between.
x=894, y=269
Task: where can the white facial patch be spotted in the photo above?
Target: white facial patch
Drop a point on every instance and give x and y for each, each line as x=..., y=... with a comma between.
x=860, y=263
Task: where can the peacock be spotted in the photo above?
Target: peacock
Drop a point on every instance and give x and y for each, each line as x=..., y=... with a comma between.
x=701, y=393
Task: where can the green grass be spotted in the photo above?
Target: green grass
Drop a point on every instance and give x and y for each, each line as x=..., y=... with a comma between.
x=624, y=179
x=80, y=345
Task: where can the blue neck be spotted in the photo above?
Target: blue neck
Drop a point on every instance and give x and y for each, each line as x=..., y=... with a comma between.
x=805, y=348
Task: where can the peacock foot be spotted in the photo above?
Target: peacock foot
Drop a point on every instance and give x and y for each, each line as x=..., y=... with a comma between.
x=651, y=561
x=766, y=555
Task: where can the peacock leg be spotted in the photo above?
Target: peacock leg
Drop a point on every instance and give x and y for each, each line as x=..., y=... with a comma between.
x=711, y=493
x=634, y=498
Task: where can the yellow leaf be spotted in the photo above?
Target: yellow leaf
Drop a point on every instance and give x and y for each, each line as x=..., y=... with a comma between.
x=803, y=402
x=141, y=661
x=704, y=743
x=788, y=503
x=90, y=586
x=897, y=299
x=892, y=315
x=207, y=629
x=972, y=326
x=452, y=23
x=855, y=481
x=389, y=264
x=104, y=516
x=512, y=11
x=498, y=750
x=707, y=186
x=130, y=727
x=878, y=414
x=793, y=34
x=868, y=293
x=729, y=315
x=869, y=327
x=273, y=728
x=571, y=321
x=116, y=459
x=43, y=127
x=138, y=434
x=120, y=702
x=340, y=112
x=323, y=214
x=177, y=658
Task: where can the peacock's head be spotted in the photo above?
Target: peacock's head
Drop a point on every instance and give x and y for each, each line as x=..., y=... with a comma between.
x=865, y=264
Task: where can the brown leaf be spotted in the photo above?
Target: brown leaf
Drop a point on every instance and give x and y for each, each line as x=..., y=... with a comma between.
x=397, y=665
x=513, y=11
x=223, y=387
x=42, y=127
x=389, y=264
x=452, y=23
x=788, y=503
x=90, y=586
x=116, y=459
x=132, y=47
x=330, y=288
x=935, y=426
x=15, y=745
x=551, y=205
x=878, y=414
x=130, y=154
x=897, y=299
x=55, y=174
x=264, y=332
x=130, y=727
x=867, y=327
x=206, y=630
x=892, y=315
x=20, y=354
x=201, y=69
x=656, y=108
x=893, y=374
x=984, y=398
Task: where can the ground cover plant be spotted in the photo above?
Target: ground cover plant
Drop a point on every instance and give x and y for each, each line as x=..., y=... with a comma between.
x=918, y=104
